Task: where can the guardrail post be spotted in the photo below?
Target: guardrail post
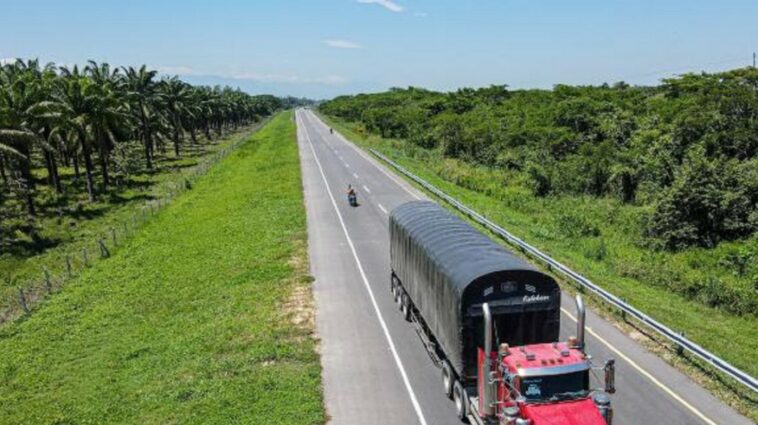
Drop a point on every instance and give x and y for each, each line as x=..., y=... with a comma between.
x=679, y=347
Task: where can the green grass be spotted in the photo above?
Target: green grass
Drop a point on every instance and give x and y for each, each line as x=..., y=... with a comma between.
x=597, y=238
x=198, y=319
x=67, y=224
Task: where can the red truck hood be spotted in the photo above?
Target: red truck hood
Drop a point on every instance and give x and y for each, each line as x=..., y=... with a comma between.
x=577, y=412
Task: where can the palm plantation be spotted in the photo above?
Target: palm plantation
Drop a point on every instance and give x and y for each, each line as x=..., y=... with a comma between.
x=71, y=118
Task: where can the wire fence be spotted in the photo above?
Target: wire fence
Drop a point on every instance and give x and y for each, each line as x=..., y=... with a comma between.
x=23, y=297
x=678, y=339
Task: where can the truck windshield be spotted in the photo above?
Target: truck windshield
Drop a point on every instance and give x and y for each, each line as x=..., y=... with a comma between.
x=555, y=387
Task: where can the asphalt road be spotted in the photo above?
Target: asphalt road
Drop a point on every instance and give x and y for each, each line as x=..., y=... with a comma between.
x=375, y=368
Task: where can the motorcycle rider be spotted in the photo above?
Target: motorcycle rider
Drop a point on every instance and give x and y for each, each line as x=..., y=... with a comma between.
x=351, y=194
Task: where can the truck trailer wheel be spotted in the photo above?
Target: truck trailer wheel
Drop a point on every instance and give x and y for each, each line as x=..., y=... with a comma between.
x=405, y=307
x=447, y=379
x=460, y=398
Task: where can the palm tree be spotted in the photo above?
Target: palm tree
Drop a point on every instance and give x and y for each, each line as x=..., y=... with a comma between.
x=74, y=99
x=23, y=105
x=92, y=109
x=177, y=96
x=109, y=118
x=144, y=96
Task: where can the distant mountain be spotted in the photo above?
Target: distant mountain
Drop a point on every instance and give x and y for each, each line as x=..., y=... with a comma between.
x=311, y=90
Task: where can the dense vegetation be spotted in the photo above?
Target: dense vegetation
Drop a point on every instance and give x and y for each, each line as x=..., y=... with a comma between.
x=71, y=135
x=687, y=147
x=676, y=164
x=202, y=317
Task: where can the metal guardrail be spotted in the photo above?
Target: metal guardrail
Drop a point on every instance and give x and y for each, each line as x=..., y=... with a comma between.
x=615, y=301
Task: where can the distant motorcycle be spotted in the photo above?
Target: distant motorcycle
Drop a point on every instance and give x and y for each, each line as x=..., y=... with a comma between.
x=352, y=196
x=331, y=131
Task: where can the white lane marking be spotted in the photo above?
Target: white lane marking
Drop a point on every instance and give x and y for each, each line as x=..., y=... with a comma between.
x=366, y=188
x=382, y=208
x=355, y=175
x=371, y=160
x=406, y=381
x=346, y=164
x=645, y=373
x=341, y=158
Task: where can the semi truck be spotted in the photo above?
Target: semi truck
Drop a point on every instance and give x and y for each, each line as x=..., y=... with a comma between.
x=491, y=321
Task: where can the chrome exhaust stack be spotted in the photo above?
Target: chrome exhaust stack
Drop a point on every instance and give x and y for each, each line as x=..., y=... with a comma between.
x=580, y=317
x=488, y=398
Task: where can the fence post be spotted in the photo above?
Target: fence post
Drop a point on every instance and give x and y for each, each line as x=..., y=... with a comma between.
x=85, y=257
x=104, y=253
x=22, y=300
x=113, y=236
x=48, y=284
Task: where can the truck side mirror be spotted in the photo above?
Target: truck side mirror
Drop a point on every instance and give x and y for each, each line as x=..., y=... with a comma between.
x=610, y=376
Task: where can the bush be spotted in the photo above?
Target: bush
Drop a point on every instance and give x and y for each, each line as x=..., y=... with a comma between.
x=539, y=180
x=708, y=202
x=576, y=226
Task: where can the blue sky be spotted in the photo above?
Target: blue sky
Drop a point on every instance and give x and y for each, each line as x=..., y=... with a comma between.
x=322, y=48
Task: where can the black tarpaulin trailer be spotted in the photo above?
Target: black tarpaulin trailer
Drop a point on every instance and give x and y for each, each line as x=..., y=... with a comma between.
x=448, y=269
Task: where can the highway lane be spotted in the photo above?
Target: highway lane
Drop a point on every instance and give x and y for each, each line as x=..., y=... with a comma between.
x=375, y=368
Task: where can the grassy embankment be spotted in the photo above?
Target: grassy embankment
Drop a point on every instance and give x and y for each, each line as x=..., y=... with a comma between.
x=596, y=237
x=203, y=317
x=70, y=223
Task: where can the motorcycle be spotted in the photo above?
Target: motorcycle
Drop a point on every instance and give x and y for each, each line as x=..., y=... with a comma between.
x=352, y=199
x=331, y=131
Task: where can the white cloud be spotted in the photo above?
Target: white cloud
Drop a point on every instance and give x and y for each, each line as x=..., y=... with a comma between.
x=342, y=44
x=175, y=70
x=421, y=14
x=6, y=61
x=387, y=4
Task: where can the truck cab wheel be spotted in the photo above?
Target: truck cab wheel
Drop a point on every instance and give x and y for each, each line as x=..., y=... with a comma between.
x=405, y=307
x=460, y=398
x=447, y=379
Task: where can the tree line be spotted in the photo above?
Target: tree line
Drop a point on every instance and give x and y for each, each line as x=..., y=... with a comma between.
x=686, y=148
x=99, y=119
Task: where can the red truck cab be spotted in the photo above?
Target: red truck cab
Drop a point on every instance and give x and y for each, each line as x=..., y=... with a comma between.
x=536, y=384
